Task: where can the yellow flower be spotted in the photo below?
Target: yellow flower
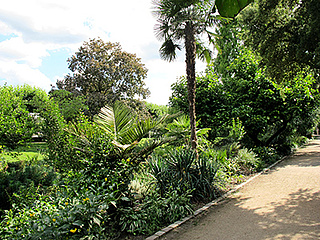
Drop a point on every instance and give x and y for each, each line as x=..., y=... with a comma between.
x=85, y=199
x=67, y=203
x=106, y=179
x=128, y=160
x=73, y=230
x=53, y=219
x=31, y=214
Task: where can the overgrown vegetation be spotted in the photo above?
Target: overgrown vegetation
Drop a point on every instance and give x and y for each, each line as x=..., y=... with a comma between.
x=123, y=175
x=129, y=169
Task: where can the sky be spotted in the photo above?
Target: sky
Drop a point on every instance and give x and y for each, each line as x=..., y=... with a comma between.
x=38, y=36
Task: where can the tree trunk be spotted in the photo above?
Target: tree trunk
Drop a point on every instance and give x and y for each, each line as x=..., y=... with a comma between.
x=277, y=133
x=190, y=46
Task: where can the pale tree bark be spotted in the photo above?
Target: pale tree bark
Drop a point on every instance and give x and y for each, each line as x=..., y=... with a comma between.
x=190, y=46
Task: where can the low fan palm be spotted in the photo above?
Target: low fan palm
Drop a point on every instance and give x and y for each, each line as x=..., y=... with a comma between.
x=127, y=130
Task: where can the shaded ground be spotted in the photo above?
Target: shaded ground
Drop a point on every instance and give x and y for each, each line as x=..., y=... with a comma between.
x=283, y=203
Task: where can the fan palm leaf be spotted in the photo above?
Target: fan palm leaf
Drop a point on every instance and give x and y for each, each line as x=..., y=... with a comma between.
x=116, y=120
x=124, y=127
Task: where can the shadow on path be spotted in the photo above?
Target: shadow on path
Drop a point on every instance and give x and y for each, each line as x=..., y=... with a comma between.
x=282, y=204
x=284, y=220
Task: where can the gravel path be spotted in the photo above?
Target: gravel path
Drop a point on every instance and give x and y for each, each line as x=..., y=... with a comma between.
x=283, y=203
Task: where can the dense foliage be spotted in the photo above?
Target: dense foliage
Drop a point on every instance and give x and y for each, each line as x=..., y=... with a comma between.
x=71, y=105
x=98, y=180
x=238, y=86
x=268, y=112
x=286, y=34
x=182, y=171
x=19, y=114
x=127, y=167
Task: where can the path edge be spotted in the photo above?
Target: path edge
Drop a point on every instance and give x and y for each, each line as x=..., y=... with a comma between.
x=176, y=224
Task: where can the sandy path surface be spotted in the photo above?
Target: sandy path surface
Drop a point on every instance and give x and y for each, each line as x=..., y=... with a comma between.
x=283, y=203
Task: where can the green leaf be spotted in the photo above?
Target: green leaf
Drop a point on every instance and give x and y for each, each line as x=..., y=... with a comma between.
x=230, y=8
x=114, y=203
x=78, y=223
x=207, y=56
x=97, y=221
x=125, y=199
x=203, y=131
x=125, y=128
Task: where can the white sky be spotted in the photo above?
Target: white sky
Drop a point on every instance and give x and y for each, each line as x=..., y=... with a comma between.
x=37, y=37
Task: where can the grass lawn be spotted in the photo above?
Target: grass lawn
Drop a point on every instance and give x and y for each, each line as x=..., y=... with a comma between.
x=24, y=153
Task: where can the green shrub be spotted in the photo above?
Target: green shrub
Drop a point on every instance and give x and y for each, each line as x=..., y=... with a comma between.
x=155, y=212
x=234, y=161
x=142, y=183
x=247, y=161
x=91, y=198
x=267, y=155
x=62, y=216
x=182, y=171
x=82, y=204
x=81, y=145
x=23, y=176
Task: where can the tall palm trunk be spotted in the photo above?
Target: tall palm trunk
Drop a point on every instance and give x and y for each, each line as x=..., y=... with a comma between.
x=190, y=46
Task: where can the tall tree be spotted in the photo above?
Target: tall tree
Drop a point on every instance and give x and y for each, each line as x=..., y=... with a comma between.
x=286, y=33
x=184, y=21
x=103, y=73
x=229, y=44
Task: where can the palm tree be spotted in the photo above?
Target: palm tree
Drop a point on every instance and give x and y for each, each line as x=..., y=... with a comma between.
x=133, y=138
x=184, y=21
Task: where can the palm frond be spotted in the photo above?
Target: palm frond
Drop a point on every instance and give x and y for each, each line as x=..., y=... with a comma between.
x=124, y=127
x=170, y=8
x=145, y=149
x=168, y=50
x=162, y=29
x=80, y=134
x=115, y=120
x=172, y=17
